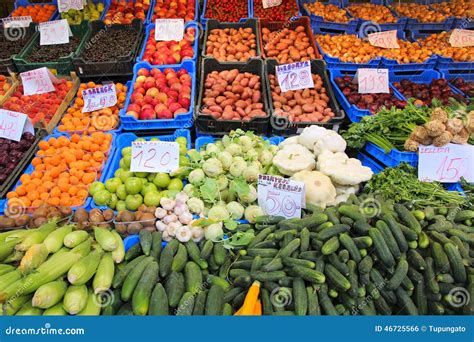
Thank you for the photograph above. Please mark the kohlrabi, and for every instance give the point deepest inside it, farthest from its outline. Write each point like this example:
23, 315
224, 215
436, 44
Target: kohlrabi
235, 209
196, 177
212, 167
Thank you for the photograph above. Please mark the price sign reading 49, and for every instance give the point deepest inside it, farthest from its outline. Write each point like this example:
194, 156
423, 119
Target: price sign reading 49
446, 164
294, 76
99, 98
154, 156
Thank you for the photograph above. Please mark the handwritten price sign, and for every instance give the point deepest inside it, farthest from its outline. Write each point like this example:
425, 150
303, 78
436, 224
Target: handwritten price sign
294, 76
461, 38
16, 22
54, 32
271, 3
154, 156
372, 81
66, 5
13, 124
280, 196
446, 164
99, 98
169, 29
386, 39
37, 81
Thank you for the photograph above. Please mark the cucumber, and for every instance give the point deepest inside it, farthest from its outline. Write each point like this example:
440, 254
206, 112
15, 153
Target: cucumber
268, 276
430, 276
186, 305
365, 265
314, 220
146, 241
347, 220
267, 244
464, 215
321, 227
463, 250
309, 274
416, 260
195, 255
133, 278
133, 252
125, 310
396, 232
267, 307
361, 227
180, 259
193, 277
215, 301
142, 293
406, 302
440, 258
409, 234
305, 237
456, 263
231, 294
351, 264
362, 241
207, 249
309, 255
156, 242
175, 288
388, 238
159, 301
350, 246
377, 278
381, 249
286, 281
332, 215
420, 298
290, 262
351, 211
300, 297
469, 238
243, 281
407, 283
436, 308
237, 272
263, 252
423, 240
440, 226
257, 263
415, 276
269, 219
274, 265
336, 277
400, 273
120, 276
408, 218
333, 231
215, 280
200, 303
220, 253
261, 236
342, 267
330, 246
439, 237
166, 257
289, 248
326, 303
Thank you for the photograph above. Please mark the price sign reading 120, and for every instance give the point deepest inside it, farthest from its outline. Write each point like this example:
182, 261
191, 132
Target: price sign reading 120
446, 164
154, 156
294, 76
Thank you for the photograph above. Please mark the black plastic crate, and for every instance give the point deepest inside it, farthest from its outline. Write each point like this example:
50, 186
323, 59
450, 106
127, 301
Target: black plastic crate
19, 35
13, 177
206, 124
121, 65
215, 24
280, 125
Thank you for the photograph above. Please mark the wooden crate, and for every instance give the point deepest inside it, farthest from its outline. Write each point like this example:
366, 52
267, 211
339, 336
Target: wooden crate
15, 83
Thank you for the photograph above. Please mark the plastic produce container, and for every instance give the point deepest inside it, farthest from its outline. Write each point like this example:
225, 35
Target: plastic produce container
181, 121
64, 64
206, 124
452, 74
20, 36
24, 3
125, 140
151, 27
104, 11
204, 19
368, 161
392, 158
280, 125
354, 113
149, 17
214, 24
122, 65
336, 63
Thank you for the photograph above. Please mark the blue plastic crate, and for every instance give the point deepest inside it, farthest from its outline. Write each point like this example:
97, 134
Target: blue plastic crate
336, 63
451, 74
464, 23
392, 158
151, 26
450, 64
453, 187
181, 121
366, 160
19, 3
203, 19
125, 140
102, 178
422, 30
391, 64
354, 113
149, 17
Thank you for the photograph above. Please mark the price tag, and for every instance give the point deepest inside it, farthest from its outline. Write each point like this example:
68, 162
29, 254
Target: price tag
169, 29
280, 196
54, 32
294, 76
38, 81
386, 39
14, 124
446, 164
461, 38
154, 156
66, 5
372, 81
271, 3
11, 22
99, 98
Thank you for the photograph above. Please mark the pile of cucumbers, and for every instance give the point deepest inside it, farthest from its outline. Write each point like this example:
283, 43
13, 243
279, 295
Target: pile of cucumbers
359, 259
172, 280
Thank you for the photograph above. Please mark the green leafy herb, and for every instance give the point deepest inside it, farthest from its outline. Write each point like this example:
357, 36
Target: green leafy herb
209, 190
239, 239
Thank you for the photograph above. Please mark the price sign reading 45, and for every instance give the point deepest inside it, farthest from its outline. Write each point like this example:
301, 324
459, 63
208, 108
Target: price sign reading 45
461, 38
294, 76
99, 98
154, 156
386, 39
280, 197
372, 81
446, 164
271, 3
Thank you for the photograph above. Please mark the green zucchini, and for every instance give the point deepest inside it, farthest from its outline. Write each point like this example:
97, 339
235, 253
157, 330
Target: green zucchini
159, 301
142, 293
